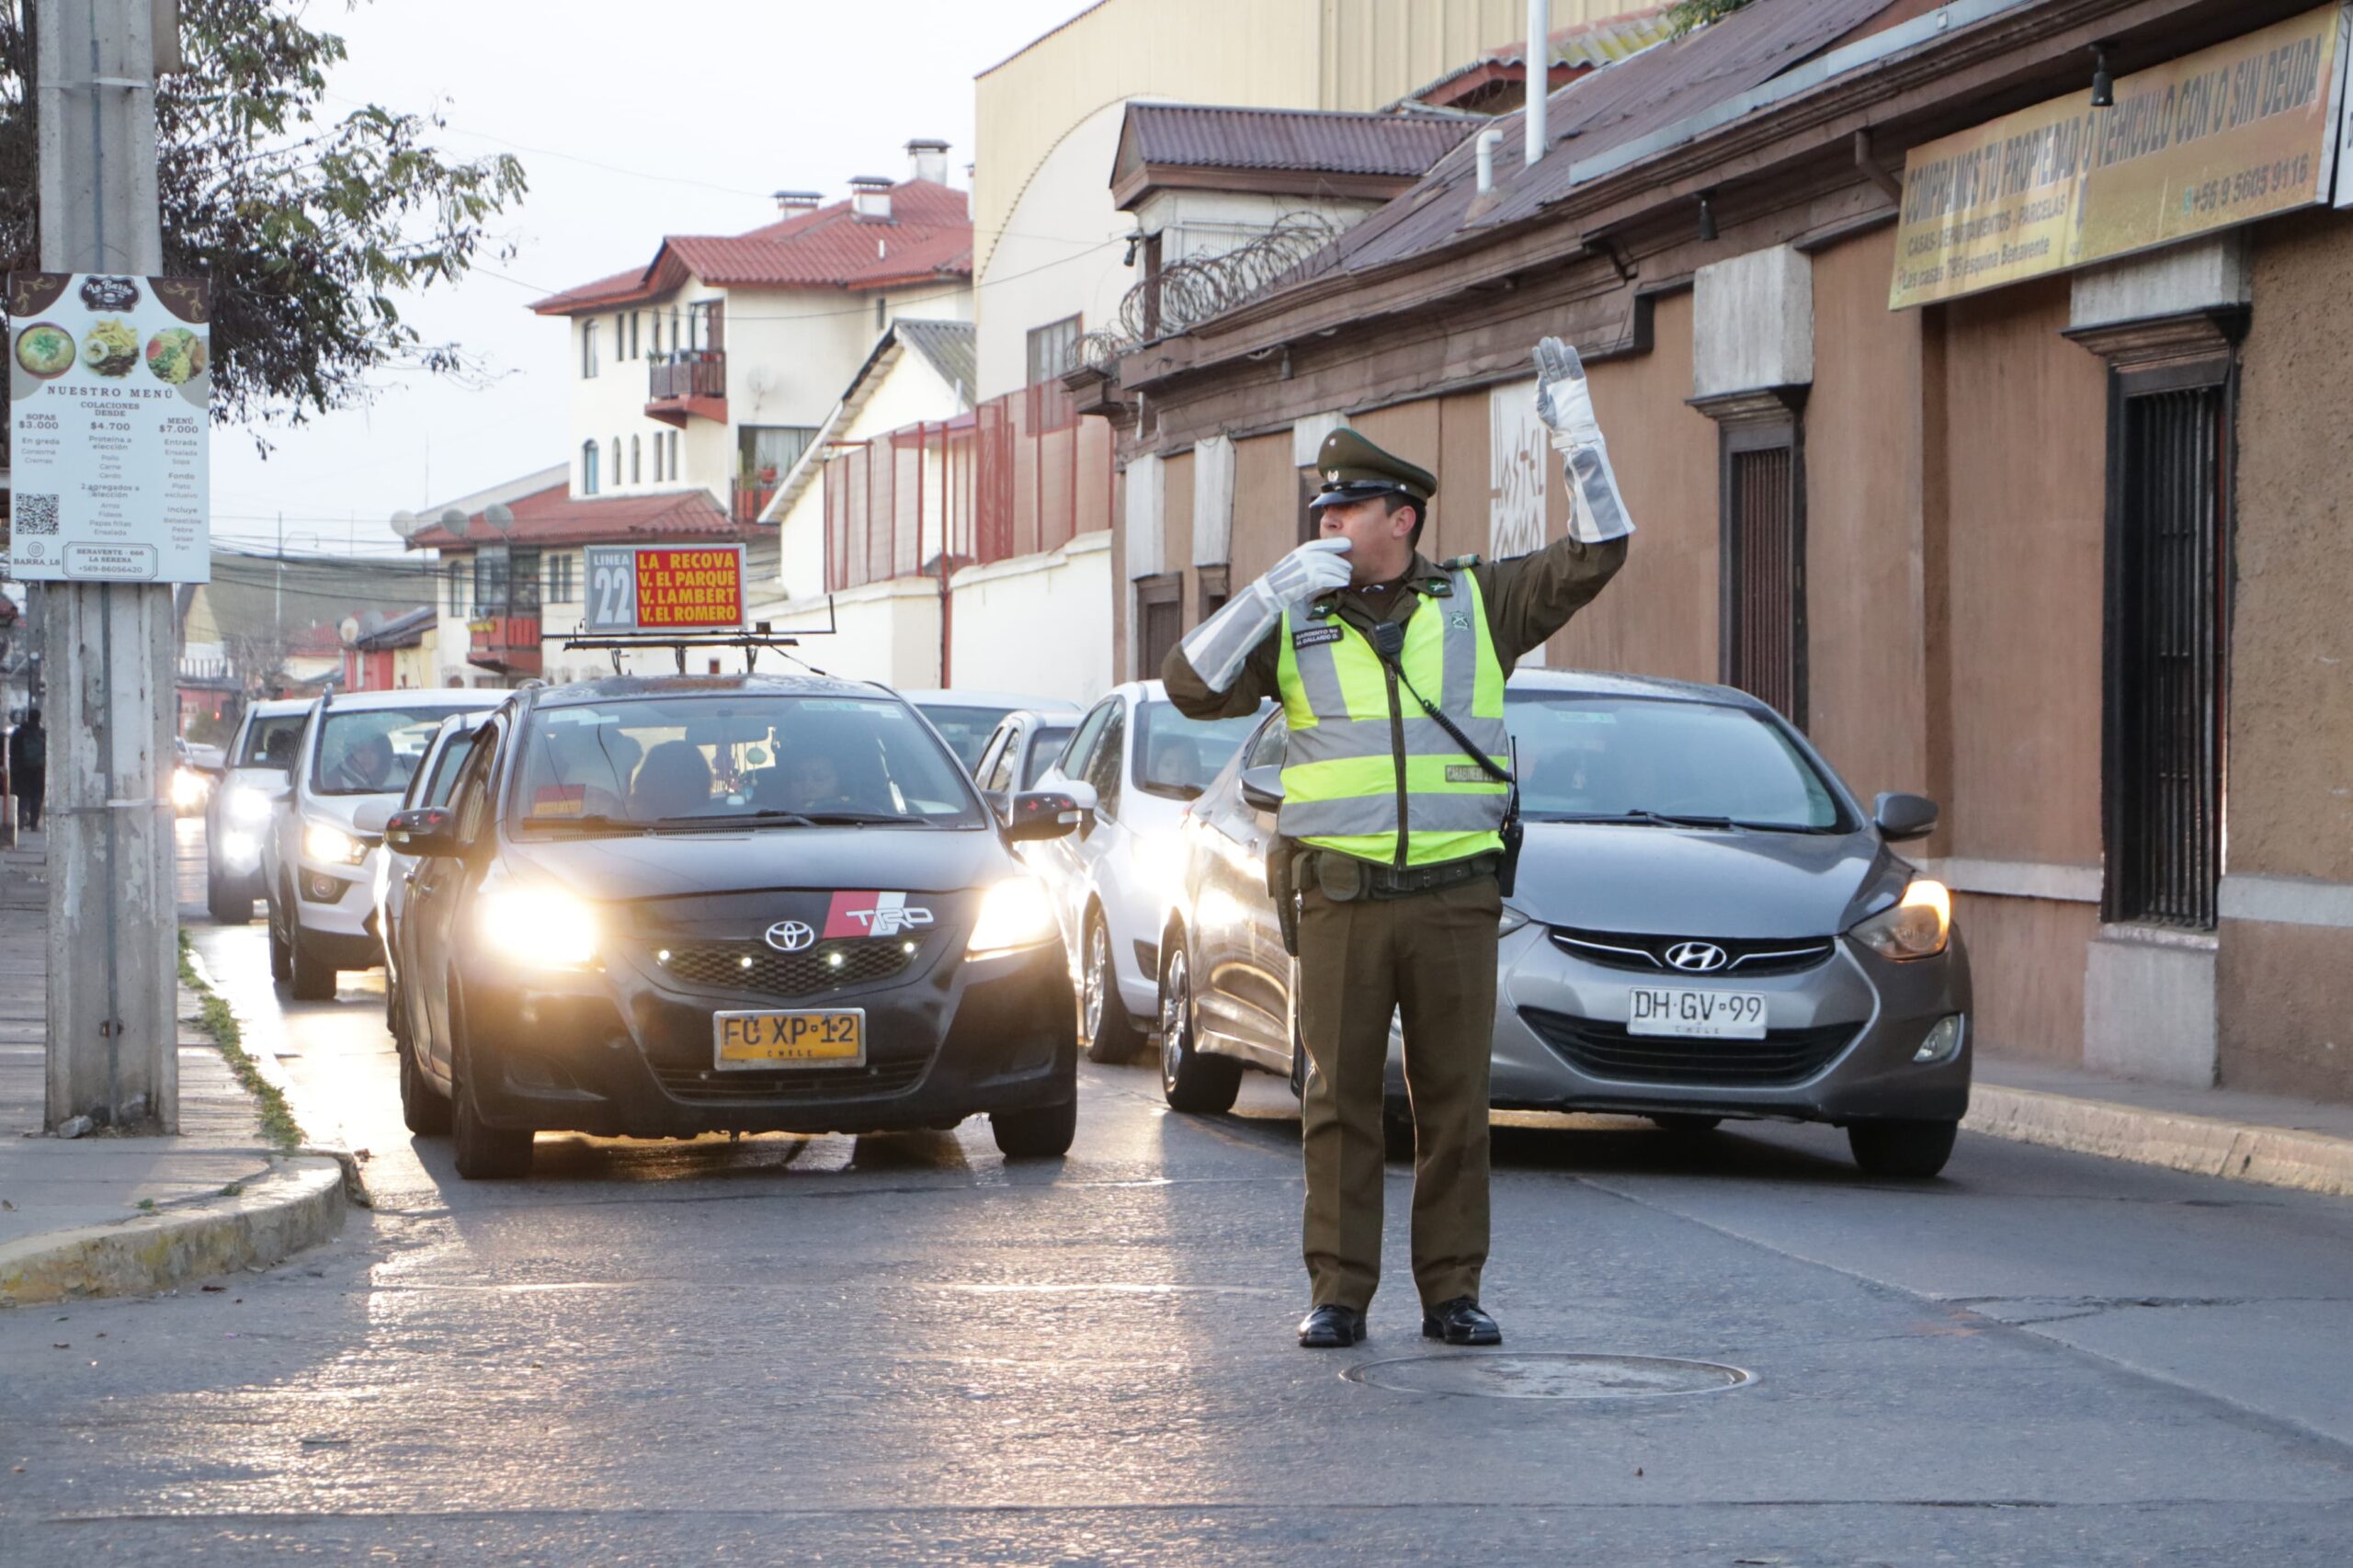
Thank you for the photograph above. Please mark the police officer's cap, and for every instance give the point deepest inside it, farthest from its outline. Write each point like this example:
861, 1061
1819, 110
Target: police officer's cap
1353, 469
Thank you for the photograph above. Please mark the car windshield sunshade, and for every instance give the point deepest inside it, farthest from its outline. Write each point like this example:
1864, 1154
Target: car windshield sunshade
690, 762
1667, 764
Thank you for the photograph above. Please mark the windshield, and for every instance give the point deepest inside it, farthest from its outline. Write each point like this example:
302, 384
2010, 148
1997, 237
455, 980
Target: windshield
966, 729
696, 761
1044, 747
1177, 756
270, 743
1615, 757
372, 751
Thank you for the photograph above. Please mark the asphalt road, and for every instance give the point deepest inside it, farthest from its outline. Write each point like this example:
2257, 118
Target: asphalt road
906, 1350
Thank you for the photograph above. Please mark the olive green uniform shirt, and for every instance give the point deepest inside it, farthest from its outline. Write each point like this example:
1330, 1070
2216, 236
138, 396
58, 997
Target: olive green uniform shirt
1529, 597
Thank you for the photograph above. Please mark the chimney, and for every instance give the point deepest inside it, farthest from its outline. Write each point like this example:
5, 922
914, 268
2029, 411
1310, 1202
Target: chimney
791, 202
927, 160
870, 198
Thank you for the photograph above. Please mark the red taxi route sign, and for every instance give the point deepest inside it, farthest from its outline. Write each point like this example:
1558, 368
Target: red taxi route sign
641, 587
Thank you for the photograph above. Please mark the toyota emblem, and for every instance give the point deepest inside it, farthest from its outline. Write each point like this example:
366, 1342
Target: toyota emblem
790, 936
1696, 958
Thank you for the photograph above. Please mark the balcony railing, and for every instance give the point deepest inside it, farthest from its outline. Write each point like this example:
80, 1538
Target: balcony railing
685, 373
749, 499
507, 643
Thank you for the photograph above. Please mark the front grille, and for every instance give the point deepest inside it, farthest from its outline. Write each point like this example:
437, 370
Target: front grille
758, 969
1749, 955
702, 1085
1605, 1050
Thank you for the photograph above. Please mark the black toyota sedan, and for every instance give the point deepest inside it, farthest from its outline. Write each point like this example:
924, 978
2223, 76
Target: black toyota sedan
665, 907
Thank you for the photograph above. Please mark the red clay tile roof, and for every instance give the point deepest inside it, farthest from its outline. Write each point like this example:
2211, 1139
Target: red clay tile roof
929, 235
553, 517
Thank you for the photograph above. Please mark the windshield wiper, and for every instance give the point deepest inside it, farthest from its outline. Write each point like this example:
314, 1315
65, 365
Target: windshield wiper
1644, 818
860, 819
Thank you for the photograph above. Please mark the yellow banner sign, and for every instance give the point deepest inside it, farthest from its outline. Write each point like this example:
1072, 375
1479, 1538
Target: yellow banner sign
2230, 134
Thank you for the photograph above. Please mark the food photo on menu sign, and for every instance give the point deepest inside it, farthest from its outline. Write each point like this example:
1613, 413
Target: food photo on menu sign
109, 391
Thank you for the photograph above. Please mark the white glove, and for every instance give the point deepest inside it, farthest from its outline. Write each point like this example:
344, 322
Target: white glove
1220, 646
1565, 404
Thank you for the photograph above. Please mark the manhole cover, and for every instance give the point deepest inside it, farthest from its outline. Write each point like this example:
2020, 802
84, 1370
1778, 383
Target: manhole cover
1561, 1376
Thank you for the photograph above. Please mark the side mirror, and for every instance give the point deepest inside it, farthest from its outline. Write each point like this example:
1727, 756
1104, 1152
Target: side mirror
1044, 814
425, 831
1900, 816
1262, 788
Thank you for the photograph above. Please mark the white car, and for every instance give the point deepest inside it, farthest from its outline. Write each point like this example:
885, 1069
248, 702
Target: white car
1024, 746
237, 813
435, 777
966, 719
353, 761
1133, 765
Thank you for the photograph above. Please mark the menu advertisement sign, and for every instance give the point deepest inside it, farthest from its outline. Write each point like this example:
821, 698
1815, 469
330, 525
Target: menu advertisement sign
110, 398
2215, 138
640, 588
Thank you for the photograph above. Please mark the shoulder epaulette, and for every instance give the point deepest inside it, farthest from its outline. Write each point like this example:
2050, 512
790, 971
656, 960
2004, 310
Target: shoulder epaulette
1459, 562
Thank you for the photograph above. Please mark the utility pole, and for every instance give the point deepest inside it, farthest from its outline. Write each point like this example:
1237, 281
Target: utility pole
113, 920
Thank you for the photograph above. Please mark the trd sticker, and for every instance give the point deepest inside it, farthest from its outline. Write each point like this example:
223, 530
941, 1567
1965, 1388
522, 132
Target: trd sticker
873, 914
1319, 634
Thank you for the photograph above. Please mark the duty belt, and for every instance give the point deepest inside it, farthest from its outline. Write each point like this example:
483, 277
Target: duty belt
1342, 878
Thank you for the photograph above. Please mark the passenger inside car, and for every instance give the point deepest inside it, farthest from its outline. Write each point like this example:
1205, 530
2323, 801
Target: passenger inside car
366, 765
673, 781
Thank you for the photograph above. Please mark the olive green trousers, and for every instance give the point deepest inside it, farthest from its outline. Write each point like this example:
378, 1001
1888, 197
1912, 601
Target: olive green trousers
1430, 957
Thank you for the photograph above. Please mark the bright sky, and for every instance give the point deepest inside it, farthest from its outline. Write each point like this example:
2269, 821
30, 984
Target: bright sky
632, 122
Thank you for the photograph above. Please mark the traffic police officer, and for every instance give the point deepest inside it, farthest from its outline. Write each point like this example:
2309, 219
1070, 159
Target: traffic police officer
1396, 824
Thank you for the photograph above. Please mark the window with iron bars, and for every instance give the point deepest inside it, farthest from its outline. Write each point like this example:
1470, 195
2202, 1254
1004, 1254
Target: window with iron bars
2168, 589
1053, 348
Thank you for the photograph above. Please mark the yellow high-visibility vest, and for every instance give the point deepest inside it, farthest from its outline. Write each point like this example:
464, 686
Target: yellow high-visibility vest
1345, 777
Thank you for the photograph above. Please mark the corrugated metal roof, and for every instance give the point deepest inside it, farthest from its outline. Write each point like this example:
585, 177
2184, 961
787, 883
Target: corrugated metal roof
1605, 109
554, 516
1200, 136
929, 234
948, 345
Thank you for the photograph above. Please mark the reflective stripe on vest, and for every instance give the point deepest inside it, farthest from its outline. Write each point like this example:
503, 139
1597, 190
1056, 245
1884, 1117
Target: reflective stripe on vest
1342, 772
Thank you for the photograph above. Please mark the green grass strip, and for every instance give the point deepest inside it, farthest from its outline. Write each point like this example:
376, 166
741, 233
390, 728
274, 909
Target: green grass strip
278, 1123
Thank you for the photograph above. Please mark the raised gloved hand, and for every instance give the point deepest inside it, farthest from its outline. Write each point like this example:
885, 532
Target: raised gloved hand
1220, 646
1565, 404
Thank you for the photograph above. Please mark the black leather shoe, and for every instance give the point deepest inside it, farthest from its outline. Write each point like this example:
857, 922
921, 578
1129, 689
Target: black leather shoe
1459, 1321
1331, 1328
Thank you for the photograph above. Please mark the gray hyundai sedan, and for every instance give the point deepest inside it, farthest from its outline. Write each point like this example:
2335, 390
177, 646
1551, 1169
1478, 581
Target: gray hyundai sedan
1706, 926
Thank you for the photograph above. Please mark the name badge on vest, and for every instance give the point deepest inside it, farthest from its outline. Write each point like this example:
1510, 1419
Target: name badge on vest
1309, 639
1465, 773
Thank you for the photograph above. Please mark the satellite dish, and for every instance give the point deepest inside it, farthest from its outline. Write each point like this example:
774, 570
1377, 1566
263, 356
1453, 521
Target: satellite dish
500, 515
372, 622
455, 521
406, 523
348, 630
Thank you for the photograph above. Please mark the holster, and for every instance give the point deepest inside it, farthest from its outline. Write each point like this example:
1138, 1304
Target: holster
1281, 854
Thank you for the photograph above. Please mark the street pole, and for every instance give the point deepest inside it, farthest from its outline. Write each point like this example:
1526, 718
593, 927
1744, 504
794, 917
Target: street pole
113, 920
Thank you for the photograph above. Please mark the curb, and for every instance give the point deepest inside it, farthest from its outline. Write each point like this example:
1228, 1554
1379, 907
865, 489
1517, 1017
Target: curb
2203, 1145
299, 1204
355, 1183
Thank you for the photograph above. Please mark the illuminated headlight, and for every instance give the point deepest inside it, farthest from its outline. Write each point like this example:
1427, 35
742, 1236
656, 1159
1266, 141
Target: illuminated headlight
1942, 1042
539, 927
324, 841
1917, 928
1160, 860
1512, 921
247, 804
188, 788
238, 848
1014, 913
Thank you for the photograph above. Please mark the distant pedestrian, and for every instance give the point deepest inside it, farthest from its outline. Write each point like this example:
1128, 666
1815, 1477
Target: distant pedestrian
28, 769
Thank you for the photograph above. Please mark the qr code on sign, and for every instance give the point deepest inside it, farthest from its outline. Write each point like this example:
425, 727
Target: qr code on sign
35, 514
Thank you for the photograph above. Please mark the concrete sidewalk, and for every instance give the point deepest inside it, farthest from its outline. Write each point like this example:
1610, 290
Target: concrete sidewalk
122, 1216
2268, 1139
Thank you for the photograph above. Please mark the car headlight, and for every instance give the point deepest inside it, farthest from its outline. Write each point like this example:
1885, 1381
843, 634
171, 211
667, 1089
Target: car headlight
1160, 860
188, 788
544, 927
324, 841
1917, 927
1014, 913
1512, 920
246, 803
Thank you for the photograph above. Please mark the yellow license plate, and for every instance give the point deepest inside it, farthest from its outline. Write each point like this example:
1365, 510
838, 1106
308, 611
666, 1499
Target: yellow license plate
789, 1040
